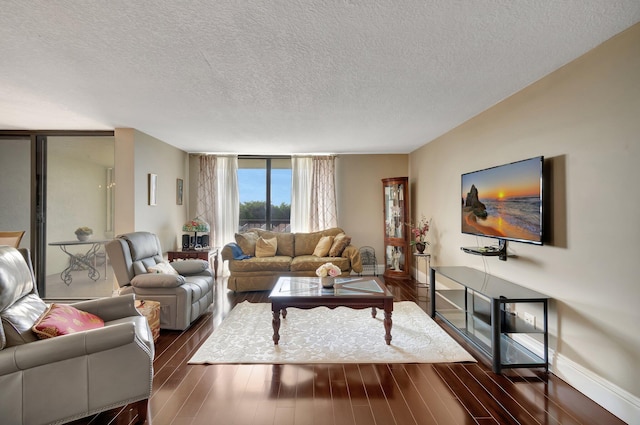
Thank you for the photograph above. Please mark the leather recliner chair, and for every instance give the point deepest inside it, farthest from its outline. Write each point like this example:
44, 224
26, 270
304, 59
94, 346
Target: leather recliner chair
183, 297
60, 379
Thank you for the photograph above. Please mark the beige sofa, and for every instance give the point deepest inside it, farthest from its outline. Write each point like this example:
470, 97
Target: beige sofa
294, 256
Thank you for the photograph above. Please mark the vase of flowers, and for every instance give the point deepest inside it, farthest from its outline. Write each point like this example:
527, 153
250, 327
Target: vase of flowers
419, 233
327, 274
83, 233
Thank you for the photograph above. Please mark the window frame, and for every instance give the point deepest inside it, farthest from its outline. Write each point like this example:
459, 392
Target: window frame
268, 222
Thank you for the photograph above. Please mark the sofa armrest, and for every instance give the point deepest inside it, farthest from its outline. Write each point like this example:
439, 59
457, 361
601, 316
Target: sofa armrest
226, 253
110, 308
47, 351
157, 280
353, 254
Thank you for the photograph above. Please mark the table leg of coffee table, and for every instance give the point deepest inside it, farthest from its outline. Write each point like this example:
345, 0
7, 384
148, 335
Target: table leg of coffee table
387, 326
276, 326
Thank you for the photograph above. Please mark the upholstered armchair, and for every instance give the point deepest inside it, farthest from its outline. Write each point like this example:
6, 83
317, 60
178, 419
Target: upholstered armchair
184, 289
78, 374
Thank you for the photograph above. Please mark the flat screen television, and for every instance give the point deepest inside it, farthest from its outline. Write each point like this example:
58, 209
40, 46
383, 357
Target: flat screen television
505, 202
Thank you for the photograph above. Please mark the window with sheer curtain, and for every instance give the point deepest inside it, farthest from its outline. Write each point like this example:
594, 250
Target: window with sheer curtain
311, 190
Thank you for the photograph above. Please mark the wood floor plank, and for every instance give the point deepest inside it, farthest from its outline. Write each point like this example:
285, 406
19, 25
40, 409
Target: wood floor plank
399, 407
377, 379
441, 393
419, 409
450, 374
504, 392
341, 402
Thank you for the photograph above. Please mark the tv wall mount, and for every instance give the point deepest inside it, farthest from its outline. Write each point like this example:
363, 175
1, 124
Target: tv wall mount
489, 251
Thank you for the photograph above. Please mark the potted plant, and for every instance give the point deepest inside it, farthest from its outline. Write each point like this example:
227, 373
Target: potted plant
419, 233
327, 274
83, 233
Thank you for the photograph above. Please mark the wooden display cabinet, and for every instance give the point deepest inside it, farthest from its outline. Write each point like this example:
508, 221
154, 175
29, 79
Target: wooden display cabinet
397, 248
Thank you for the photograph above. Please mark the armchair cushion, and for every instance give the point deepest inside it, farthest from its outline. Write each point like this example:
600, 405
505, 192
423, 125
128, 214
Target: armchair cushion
61, 319
157, 280
142, 245
192, 266
18, 319
163, 268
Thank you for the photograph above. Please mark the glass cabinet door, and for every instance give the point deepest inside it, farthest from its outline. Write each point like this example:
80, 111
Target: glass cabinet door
396, 235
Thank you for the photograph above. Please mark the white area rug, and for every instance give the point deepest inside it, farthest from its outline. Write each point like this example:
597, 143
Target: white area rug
322, 335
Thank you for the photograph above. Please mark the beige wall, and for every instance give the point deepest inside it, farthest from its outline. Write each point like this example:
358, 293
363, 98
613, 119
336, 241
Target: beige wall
585, 120
138, 155
359, 193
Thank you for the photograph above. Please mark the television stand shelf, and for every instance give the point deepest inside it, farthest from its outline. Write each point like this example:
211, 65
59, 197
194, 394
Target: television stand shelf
475, 305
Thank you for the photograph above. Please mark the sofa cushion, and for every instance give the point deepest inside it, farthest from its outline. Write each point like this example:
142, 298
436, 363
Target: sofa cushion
285, 241
247, 242
285, 244
305, 243
266, 247
309, 263
62, 319
323, 246
340, 242
266, 264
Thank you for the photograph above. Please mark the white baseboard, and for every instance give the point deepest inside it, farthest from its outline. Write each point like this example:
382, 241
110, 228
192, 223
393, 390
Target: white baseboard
616, 400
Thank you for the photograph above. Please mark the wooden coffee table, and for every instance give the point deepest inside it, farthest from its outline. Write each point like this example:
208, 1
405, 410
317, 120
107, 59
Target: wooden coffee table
353, 292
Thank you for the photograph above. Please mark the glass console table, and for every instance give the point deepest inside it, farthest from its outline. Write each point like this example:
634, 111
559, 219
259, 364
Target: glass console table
483, 310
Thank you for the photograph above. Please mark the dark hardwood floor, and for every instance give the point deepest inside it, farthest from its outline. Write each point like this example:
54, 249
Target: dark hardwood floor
340, 394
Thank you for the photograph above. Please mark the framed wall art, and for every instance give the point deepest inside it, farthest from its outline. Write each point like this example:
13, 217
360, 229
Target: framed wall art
179, 191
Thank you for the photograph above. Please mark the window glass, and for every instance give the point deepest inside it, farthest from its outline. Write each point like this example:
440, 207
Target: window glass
262, 182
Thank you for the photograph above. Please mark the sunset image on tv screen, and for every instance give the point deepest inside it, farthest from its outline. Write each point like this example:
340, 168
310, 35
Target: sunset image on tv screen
504, 201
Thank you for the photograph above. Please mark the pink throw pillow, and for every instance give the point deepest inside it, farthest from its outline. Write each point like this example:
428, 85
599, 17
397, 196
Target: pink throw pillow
63, 319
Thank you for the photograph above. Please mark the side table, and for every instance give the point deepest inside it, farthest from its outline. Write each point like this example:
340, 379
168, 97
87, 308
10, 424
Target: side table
199, 254
427, 261
151, 310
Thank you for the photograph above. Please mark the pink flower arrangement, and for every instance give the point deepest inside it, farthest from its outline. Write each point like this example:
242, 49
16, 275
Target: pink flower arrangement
420, 231
328, 269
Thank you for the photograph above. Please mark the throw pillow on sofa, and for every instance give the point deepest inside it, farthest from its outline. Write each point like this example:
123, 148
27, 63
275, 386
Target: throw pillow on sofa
266, 247
247, 242
323, 246
340, 242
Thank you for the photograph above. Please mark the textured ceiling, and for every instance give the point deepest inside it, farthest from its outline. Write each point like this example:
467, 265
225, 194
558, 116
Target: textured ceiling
255, 76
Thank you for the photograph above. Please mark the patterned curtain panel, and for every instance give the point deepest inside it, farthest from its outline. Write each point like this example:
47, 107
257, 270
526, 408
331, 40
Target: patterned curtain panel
218, 198
207, 193
324, 211
301, 172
